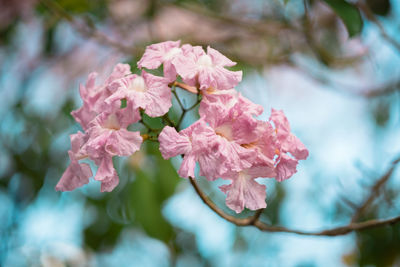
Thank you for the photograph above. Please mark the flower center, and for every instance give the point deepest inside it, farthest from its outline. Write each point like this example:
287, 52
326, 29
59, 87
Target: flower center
138, 85
112, 123
171, 53
205, 61
225, 130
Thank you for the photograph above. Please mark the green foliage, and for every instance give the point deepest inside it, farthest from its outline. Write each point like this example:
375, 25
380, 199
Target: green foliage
379, 246
148, 192
96, 8
379, 7
349, 14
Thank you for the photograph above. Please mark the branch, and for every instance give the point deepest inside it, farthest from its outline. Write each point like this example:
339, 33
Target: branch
374, 191
87, 29
254, 220
184, 86
370, 16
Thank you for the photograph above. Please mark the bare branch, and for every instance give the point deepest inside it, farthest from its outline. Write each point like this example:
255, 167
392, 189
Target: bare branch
254, 220
88, 30
374, 191
370, 16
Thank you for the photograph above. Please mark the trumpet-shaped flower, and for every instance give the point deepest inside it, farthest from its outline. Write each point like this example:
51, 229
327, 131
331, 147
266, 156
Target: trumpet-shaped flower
206, 70
77, 174
146, 91
286, 142
93, 95
199, 143
244, 191
163, 53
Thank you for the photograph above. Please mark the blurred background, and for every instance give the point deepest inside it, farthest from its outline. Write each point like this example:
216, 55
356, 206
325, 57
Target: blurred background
331, 65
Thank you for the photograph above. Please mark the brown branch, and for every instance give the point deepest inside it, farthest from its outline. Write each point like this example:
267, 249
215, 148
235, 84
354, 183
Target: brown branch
88, 29
254, 220
370, 16
374, 191
184, 86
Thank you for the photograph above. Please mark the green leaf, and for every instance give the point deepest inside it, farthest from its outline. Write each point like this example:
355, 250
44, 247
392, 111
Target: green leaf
349, 14
148, 192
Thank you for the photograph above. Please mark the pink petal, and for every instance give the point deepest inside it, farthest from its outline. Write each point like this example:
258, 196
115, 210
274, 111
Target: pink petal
186, 67
293, 145
187, 167
218, 78
245, 192
108, 184
119, 71
219, 59
158, 95
123, 143
285, 168
154, 55
76, 175
107, 174
281, 124
172, 143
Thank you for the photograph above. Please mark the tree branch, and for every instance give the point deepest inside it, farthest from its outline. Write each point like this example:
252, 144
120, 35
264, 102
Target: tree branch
374, 191
370, 16
88, 30
254, 220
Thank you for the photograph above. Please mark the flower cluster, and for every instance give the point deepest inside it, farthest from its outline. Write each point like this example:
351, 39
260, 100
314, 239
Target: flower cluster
227, 141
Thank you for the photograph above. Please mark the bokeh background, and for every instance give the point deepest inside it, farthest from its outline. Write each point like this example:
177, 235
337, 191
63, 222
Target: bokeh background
332, 66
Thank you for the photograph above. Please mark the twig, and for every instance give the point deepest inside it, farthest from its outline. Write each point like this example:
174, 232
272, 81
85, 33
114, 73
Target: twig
168, 120
254, 220
370, 15
374, 191
87, 30
178, 100
184, 86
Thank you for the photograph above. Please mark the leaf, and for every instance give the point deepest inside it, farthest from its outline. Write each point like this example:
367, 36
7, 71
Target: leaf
349, 14
148, 192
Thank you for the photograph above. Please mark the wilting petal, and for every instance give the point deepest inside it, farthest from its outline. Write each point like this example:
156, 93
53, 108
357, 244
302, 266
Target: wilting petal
156, 54
76, 175
173, 143
187, 167
158, 96
281, 124
244, 192
294, 146
218, 58
285, 168
218, 78
123, 142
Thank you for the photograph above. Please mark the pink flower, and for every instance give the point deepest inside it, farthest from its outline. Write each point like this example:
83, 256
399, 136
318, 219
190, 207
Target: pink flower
232, 120
77, 174
244, 191
147, 91
109, 137
222, 101
108, 133
161, 53
199, 143
106, 173
286, 142
105, 137
93, 95
265, 144
206, 70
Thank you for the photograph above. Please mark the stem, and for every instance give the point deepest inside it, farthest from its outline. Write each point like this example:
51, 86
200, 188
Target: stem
374, 191
184, 86
254, 220
168, 120
178, 99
